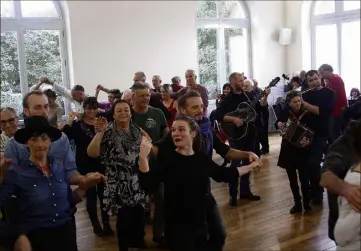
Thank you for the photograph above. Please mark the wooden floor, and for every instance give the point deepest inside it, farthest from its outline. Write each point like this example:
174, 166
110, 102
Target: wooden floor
262, 225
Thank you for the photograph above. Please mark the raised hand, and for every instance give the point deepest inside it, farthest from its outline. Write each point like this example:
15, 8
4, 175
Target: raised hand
145, 148
45, 80
4, 165
71, 117
100, 124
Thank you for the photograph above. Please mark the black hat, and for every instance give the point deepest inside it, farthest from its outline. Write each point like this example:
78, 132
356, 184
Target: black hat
36, 125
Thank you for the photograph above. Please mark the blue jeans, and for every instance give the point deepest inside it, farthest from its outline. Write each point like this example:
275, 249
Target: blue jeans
246, 144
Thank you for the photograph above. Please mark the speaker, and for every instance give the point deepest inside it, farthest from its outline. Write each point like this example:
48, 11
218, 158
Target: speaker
285, 36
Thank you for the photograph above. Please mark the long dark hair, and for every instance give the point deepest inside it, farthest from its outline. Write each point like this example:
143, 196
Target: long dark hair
354, 129
193, 125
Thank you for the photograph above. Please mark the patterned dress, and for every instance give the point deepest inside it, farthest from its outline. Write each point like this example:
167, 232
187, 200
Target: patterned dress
119, 150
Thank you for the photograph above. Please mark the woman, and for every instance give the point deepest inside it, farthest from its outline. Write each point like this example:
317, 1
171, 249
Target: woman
296, 83
347, 229
295, 159
42, 190
185, 172
225, 90
82, 132
168, 102
9, 121
354, 96
118, 145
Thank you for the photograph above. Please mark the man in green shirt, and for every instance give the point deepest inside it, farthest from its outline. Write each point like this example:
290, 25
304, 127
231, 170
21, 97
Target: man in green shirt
153, 122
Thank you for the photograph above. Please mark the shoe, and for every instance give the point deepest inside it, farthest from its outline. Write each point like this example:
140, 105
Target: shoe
232, 202
307, 207
98, 231
250, 197
107, 230
297, 208
161, 241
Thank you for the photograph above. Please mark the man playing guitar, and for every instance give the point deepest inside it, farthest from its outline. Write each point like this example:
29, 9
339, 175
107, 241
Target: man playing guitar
247, 143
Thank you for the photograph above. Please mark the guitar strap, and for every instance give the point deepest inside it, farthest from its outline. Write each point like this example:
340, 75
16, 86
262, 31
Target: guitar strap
249, 100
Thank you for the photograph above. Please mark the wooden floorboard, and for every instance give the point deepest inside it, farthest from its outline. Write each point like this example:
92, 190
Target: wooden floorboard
264, 225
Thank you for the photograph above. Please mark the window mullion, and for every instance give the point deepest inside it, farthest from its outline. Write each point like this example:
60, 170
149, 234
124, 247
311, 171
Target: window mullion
17, 9
222, 57
338, 6
339, 47
22, 61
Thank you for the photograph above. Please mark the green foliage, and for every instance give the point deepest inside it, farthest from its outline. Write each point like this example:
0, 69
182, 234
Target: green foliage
42, 52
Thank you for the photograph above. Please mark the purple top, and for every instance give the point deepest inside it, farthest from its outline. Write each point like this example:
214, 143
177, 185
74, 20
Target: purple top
105, 106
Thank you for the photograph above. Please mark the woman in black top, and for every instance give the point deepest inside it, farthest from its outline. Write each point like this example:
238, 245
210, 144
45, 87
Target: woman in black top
82, 132
185, 173
292, 158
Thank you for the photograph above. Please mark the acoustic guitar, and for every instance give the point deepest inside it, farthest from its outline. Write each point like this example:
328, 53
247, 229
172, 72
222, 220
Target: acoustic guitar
245, 111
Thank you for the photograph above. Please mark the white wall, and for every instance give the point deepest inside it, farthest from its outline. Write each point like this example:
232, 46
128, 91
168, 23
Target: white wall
110, 40
268, 56
298, 19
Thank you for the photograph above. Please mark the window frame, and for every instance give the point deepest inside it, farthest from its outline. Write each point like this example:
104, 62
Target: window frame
338, 17
237, 23
21, 24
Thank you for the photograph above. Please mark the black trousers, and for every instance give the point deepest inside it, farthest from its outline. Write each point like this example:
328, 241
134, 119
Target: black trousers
316, 152
263, 132
304, 179
184, 239
246, 144
216, 233
130, 227
92, 195
55, 239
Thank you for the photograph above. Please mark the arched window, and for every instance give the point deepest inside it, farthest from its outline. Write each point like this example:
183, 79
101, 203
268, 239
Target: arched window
32, 46
335, 27
223, 40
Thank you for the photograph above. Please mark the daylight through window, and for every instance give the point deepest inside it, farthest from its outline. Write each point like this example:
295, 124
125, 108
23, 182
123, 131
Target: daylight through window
335, 29
32, 46
223, 40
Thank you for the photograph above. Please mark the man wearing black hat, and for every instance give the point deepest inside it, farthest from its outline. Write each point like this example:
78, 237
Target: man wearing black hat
40, 184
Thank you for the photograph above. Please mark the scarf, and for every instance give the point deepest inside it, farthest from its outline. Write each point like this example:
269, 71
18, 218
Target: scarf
206, 136
127, 139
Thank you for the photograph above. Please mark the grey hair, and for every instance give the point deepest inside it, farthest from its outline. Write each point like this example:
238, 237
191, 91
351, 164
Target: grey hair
10, 109
193, 72
250, 81
139, 86
141, 74
176, 79
326, 67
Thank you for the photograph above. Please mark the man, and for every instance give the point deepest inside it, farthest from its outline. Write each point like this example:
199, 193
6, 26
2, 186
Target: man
76, 96
153, 122
339, 159
176, 84
112, 95
157, 83
335, 83
9, 121
319, 103
191, 79
191, 105
304, 84
139, 76
155, 97
248, 143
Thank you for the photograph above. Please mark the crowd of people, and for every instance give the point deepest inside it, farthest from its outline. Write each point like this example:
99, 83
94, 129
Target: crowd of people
154, 144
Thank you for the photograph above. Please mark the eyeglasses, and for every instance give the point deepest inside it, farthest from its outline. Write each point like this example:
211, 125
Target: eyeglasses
10, 121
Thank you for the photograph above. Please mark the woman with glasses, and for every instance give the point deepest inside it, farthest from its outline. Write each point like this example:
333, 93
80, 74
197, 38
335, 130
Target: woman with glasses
9, 124
82, 132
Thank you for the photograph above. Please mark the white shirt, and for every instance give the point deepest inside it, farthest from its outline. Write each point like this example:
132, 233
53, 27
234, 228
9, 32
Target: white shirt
3, 141
75, 105
347, 230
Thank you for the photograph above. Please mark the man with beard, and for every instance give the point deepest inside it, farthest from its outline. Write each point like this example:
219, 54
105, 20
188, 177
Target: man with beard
191, 105
247, 143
